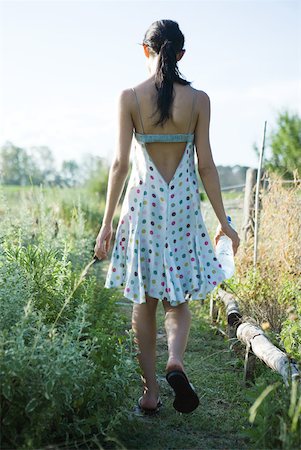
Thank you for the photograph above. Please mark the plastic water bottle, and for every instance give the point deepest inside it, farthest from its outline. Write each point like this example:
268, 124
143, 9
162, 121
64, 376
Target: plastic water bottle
224, 253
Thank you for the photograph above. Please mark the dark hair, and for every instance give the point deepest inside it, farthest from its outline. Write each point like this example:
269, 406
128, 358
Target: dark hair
165, 38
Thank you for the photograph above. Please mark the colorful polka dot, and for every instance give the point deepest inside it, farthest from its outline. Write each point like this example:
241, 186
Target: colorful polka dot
162, 245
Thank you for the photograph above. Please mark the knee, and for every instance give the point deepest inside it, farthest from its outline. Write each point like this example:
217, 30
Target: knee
144, 311
151, 303
185, 311
182, 309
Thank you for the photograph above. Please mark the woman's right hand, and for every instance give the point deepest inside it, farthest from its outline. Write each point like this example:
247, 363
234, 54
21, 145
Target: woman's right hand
103, 240
231, 233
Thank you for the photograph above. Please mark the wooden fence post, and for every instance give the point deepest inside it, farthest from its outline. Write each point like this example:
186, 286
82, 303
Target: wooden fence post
249, 366
247, 229
213, 309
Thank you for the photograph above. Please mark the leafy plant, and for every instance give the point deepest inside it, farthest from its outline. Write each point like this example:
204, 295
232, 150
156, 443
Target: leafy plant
66, 356
275, 415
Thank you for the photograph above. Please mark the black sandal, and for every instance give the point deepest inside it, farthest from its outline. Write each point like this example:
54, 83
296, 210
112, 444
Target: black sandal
186, 399
149, 411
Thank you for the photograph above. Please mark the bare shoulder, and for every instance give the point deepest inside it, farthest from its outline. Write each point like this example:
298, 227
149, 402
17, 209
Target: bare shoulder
126, 94
125, 99
202, 100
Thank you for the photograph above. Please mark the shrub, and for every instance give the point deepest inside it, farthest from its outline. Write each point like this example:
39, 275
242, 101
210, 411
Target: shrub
66, 357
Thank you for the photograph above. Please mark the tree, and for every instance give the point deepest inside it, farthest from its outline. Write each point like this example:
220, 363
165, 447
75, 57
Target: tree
70, 173
20, 167
95, 173
285, 144
231, 175
14, 164
42, 165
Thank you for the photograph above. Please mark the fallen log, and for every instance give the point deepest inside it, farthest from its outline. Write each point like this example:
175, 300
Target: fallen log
254, 338
257, 343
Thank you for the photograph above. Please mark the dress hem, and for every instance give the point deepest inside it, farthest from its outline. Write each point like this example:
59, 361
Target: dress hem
189, 296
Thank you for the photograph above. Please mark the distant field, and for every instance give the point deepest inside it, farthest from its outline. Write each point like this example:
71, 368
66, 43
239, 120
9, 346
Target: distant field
92, 205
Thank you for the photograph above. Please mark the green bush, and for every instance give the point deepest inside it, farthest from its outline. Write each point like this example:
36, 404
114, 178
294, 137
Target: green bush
59, 384
291, 335
66, 357
265, 299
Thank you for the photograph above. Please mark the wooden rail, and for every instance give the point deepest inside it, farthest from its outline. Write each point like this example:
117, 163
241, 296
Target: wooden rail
253, 337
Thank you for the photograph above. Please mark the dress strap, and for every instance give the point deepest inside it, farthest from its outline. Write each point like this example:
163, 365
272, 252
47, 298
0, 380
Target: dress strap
192, 109
165, 137
139, 110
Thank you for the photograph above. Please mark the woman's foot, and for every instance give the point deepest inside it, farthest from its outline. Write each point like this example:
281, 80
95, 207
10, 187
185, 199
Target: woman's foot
149, 411
149, 400
186, 399
174, 364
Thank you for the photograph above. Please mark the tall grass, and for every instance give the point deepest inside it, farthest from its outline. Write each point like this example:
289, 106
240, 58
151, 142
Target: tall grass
273, 291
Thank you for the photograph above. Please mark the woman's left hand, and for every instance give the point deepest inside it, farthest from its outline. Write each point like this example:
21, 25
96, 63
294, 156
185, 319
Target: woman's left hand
103, 241
231, 233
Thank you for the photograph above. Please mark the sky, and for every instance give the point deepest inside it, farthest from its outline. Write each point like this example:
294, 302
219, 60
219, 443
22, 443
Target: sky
64, 63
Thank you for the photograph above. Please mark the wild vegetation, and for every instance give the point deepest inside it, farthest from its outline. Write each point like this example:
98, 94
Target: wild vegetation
69, 375
68, 366
66, 357
272, 293
271, 297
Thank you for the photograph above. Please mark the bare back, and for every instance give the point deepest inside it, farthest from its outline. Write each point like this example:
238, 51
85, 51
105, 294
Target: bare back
166, 155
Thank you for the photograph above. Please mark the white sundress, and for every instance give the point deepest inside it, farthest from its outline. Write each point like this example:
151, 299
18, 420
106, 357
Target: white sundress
162, 246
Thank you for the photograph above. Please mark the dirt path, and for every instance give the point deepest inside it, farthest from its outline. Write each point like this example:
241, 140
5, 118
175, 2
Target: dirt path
217, 375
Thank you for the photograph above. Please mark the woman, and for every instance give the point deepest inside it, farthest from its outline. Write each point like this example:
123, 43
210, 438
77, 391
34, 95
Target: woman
162, 250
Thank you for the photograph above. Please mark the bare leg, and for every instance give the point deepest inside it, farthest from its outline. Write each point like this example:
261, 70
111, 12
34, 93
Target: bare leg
177, 326
145, 329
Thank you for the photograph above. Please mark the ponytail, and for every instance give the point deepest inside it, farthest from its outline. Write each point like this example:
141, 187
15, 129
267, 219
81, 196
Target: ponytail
165, 38
164, 78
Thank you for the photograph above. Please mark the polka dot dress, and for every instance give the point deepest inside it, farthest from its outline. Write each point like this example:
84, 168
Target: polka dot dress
162, 246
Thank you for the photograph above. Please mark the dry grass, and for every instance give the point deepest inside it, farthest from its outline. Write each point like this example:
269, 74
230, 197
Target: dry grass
280, 225
274, 290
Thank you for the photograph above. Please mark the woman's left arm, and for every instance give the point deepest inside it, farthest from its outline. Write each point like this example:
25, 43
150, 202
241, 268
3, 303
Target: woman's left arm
118, 172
